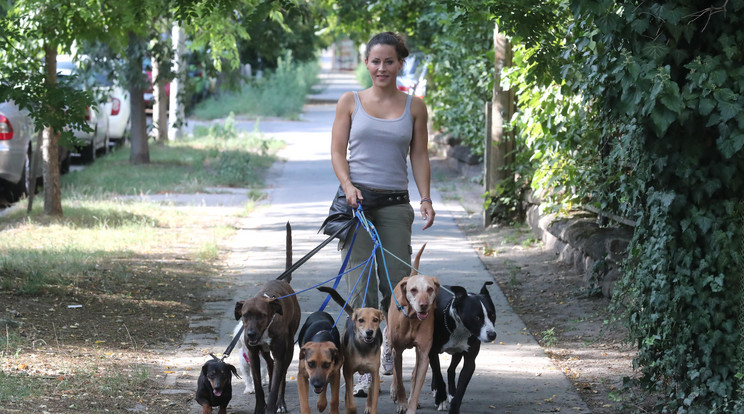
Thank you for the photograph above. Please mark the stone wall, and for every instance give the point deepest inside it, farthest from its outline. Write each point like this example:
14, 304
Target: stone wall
594, 251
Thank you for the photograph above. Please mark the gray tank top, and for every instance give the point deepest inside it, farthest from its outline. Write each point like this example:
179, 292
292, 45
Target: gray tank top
378, 148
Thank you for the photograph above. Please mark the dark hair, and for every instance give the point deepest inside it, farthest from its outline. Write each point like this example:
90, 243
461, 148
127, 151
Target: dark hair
390, 39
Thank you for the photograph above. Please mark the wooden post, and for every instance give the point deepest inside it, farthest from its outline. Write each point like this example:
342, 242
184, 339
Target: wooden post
488, 159
499, 144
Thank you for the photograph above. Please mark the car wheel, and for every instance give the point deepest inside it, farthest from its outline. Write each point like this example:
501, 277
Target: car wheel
14, 192
106, 143
65, 161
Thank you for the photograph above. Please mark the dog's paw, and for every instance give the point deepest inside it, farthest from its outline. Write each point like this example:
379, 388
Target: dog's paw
282, 409
444, 406
450, 397
402, 408
367, 410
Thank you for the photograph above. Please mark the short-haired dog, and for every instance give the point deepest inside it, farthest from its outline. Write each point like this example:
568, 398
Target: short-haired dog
361, 344
411, 326
214, 386
244, 363
320, 361
270, 320
461, 322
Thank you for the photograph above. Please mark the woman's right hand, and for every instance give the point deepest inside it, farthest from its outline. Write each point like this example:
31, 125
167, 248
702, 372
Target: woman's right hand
353, 195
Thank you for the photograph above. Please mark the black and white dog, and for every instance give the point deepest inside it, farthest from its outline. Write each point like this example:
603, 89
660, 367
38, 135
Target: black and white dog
461, 322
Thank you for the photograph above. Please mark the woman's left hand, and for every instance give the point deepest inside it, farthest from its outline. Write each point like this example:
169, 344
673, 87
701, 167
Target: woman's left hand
427, 213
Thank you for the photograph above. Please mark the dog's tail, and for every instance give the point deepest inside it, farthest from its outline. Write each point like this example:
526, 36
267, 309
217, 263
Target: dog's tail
337, 298
287, 276
414, 270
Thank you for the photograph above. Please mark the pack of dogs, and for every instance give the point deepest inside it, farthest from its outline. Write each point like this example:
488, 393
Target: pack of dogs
424, 316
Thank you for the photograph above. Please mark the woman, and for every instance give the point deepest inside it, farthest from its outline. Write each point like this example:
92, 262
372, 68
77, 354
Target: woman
381, 126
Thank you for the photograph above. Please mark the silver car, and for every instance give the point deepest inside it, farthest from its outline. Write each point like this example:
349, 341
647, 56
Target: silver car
97, 118
16, 132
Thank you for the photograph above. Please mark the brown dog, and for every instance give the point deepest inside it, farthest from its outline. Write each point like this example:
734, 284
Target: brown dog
269, 326
361, 345
412, 326
320, 361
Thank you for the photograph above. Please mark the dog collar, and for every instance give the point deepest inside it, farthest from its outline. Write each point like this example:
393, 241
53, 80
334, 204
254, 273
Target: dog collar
402, 310
446, 315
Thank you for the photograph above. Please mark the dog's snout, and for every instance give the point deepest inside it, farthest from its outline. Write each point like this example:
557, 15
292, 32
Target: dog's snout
491, 335
251, 334
370, 332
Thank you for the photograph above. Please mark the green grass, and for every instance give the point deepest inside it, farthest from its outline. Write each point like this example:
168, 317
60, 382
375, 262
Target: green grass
216, 156
281, 93
103, 227
17, 387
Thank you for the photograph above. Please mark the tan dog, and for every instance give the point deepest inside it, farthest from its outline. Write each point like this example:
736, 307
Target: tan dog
320, 361
361, 346
412, 326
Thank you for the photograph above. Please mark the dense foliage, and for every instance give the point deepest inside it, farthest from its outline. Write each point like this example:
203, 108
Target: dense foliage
666, 80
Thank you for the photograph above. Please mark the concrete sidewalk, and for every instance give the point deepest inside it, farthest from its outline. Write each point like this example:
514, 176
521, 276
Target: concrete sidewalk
513, 374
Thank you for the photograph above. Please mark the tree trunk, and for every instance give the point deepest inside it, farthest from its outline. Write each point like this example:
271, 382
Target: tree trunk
140, 152
50, 148
177, 116
160, 106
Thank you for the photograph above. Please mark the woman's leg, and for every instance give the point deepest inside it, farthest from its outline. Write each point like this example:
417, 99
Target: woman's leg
360, 253
394, 227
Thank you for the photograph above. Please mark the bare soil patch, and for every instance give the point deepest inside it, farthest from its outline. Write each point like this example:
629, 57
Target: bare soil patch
95, 342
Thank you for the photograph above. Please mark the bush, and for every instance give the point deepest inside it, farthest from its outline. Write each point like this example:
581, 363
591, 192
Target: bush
281, 93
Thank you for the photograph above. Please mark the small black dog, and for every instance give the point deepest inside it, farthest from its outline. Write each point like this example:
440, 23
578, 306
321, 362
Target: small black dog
214, 387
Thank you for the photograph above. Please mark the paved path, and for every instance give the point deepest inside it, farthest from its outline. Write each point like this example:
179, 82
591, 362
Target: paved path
513, 374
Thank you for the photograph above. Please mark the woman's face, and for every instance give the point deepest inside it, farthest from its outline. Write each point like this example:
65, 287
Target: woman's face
383, 64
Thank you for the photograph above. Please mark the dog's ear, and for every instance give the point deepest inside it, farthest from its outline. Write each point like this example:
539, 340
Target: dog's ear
205, 368
460, 294
275, 306
484, 291
239, 310
334, 356
402, 300
232, 369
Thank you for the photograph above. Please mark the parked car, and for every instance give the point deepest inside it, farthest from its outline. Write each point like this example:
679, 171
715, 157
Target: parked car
16, 132
17, 145
412, 76
97, 118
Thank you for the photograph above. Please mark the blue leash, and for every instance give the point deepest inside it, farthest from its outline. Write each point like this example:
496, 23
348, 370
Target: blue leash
341, 270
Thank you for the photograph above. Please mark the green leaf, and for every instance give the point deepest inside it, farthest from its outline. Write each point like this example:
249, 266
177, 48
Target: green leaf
718, 77
656, 50
661, 119
727, 103
706, 106
731, 144
671, 98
